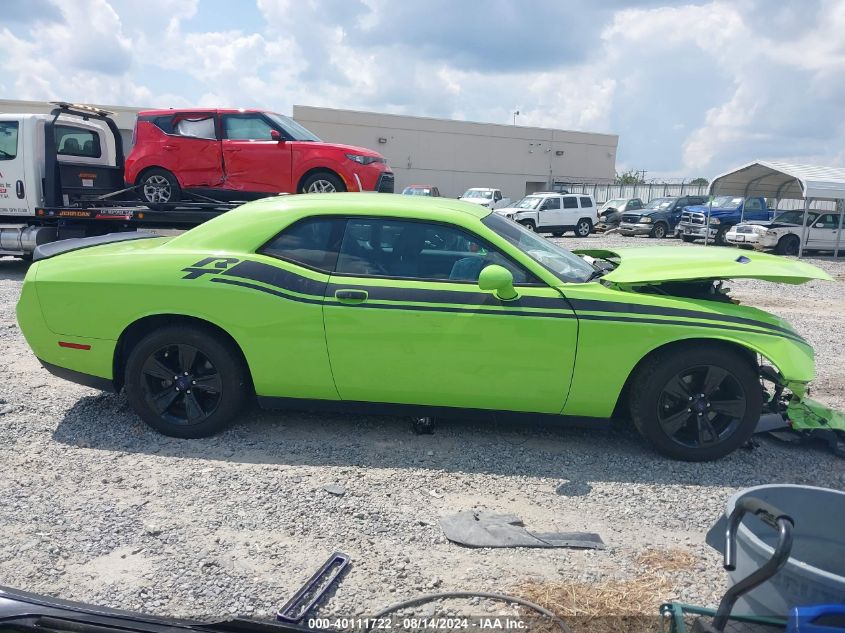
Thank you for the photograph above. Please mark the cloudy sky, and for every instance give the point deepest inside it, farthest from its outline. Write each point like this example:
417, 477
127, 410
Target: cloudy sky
691, 88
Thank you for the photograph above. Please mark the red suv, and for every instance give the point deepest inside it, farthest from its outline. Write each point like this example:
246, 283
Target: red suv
242, 154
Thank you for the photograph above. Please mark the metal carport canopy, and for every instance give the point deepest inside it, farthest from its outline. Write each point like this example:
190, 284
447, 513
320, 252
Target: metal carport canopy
774, 179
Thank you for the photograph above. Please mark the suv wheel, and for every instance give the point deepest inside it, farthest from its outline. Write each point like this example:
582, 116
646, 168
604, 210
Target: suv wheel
323, 182
159, 189
696, 404
659, 231
788, 245
583, 228
529, 224
184, 382
687, 238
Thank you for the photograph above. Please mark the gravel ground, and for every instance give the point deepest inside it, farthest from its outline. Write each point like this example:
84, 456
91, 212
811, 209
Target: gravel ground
98, 508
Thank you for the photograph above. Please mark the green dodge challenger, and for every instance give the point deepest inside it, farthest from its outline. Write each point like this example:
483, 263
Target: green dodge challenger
422, 307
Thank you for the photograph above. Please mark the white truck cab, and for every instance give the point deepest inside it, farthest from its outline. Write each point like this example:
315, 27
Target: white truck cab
555, 213
486, 197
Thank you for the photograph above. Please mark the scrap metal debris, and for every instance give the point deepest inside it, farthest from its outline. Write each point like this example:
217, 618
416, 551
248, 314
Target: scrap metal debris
485, 529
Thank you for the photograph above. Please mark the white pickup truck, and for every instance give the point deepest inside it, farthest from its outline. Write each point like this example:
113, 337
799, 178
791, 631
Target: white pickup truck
490, 198
555, 213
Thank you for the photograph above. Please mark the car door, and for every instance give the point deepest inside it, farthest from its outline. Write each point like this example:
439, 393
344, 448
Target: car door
192, 150
674, 214
571, 212
822, 234
13, 185
550, 213
255, 161
407, 323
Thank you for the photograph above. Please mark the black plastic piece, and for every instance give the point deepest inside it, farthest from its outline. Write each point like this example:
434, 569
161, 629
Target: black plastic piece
95, 382
423, 425
314, 589
51, 249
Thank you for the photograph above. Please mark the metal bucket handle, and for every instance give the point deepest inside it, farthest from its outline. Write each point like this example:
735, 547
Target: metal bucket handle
771, 516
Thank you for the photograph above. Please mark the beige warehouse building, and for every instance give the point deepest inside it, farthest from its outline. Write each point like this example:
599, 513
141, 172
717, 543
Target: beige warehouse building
457, 155
452, 155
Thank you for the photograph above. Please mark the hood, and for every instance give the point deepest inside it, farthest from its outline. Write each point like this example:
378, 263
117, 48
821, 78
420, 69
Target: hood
509, 210
675, 263
346, 149
476, 200
702, 208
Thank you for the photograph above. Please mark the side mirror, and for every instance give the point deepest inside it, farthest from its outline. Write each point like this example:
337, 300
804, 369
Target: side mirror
498, 280
276, 135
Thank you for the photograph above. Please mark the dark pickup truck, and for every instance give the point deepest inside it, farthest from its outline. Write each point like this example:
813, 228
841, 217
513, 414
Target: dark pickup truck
725, 212
659, 217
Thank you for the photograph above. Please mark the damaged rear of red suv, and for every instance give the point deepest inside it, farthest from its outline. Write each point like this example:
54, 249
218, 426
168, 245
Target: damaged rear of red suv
241, 155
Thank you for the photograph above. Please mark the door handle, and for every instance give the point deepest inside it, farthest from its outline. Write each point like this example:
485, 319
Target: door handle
168, 148
19, 190
347, 295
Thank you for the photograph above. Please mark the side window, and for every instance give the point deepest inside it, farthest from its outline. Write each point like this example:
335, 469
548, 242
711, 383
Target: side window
570, 203
586, 202
753, 205
8, 140
246, 127
551, 204
383, 247
196, 127
634, 205
314, 243
497, 196
165, 124
827, 221
76, 141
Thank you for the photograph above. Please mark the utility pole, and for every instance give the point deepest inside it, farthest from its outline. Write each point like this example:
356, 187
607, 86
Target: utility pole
515, 114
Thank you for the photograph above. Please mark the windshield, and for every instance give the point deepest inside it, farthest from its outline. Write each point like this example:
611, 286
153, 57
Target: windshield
529, 202
563, 264
293, 129
615, 203
795, 217
417, 191
659, 203
725, 202
478, 193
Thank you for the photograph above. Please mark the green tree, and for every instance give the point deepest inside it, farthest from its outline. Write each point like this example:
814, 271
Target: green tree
630, 177
699, 182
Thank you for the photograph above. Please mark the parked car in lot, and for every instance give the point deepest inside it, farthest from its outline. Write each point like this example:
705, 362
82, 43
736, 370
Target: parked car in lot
421, 190
610, 213
657, 218
417, 306
555, 213
490, 198
783, 233
240, 155
724, 212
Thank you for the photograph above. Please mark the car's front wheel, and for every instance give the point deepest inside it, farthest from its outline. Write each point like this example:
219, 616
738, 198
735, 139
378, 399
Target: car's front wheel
184, 382
687, 238
323, 182
583, 228
658, 231
696, 404
529, 224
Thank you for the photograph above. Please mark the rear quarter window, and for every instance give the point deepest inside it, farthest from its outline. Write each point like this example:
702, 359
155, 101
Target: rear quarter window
75, 141
586, 202
570, 203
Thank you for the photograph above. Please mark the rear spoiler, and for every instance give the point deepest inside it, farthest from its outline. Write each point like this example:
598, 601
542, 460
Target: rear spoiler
46, 251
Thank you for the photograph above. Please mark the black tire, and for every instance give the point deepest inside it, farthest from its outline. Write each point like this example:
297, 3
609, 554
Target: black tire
158, 189
583, 228
721, 236
322, 182
668, 409
208, 382
659, 231
788, 245
529, 224
688, 238
557, 234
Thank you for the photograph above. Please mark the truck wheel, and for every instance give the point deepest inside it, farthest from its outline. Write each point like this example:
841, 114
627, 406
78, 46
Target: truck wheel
696, 404
658, 231
159, 188
721, 239
788, 245
583, 228
323, 182
185, 383
529, 224
688, 238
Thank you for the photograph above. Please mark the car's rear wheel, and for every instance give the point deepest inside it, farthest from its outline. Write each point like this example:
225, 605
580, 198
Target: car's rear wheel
557, 233
788, 245
658, 231
184, 382
696, 404
159, 189
688, 238
529, 224
583, 228
322, 182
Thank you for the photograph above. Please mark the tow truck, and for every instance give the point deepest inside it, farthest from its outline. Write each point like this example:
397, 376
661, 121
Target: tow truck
61, 177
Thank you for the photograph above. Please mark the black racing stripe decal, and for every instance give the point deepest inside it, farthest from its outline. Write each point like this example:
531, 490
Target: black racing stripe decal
718, 326
424, 295
636, 308
277, 277
276, 293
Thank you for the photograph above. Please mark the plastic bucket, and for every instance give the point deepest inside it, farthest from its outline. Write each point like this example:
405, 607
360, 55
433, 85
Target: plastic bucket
815, 571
